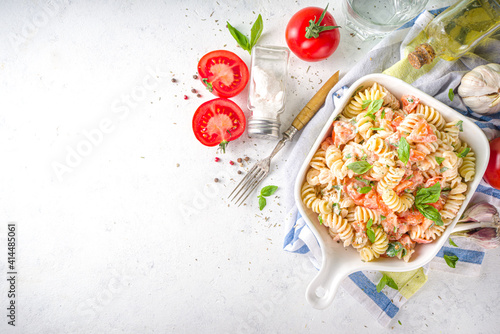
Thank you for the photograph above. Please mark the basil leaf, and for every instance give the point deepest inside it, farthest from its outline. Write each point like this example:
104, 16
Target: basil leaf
256, 31
404, 150
431, 213
460, 126
262, 202
464, 152
382, 283
442, 170
369, 223
451, 95
382, 217
428, 195
451, 242
241, 39
371, 235
377, 129
365, 190
439, 160
382, 115
320, 220
365, 103
451, 260
336, 187
375, 106
359, 167
386, 280
362, 180
394, 249
268, 190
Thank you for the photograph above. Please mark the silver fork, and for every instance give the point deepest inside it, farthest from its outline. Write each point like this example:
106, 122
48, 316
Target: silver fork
261, 169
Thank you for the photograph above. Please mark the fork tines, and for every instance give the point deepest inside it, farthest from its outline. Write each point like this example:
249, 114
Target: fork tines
247, 184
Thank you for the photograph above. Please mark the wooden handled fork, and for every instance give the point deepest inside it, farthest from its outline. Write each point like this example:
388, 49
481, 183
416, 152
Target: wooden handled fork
261, 169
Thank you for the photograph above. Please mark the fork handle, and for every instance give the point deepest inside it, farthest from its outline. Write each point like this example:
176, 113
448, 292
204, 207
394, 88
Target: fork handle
315, 103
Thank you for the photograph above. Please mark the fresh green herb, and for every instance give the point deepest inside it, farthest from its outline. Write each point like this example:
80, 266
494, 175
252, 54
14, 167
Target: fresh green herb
410, 100
399, 322
207, 84
451, 260
429, 195
404, 150
365, 181
445, 189
439, 160
365, 190
451, 242
359, 167
395, 229
382, 217
386, 280
320, 220
382, 115
357, 91
464, 152
394, 249
442, 170
315, 28
373, 107
365, 103
242, 40
460, 126
451, 95
370, 233
337, 187
266, 192
377, 129
348, 156
409, 177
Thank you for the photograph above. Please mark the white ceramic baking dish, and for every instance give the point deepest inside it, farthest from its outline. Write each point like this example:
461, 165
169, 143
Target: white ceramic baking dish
339, 262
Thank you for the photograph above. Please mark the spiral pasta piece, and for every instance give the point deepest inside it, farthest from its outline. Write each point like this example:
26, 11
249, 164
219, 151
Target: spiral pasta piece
381, 243
389, 99
340, 226
410, 121
391, 179
355, 107
362, 214
364, 125
468, 168
318, 160
431, 115
396, 203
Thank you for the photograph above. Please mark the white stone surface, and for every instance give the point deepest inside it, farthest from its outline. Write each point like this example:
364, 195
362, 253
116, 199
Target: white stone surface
137, 238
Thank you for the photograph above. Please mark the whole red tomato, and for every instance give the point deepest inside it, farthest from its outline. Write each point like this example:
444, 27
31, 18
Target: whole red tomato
492, 174
312, 34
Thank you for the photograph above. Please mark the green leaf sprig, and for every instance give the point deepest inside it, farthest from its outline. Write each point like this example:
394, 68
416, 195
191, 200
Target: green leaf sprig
439, 160
404, 150
243, 40
425, 196
359, 167
395, 248
451, 95
386, 280
266, 192
451, 260
464, 152
452, 243
373, 107
369, 230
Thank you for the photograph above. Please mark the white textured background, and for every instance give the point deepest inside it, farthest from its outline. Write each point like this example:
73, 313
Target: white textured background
136, 237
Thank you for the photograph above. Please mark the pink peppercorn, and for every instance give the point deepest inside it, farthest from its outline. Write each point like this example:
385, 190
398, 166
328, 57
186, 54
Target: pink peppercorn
231, 162
186, 97
217, 159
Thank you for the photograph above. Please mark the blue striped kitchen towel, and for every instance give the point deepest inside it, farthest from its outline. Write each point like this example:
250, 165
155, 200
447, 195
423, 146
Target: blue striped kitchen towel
436, 82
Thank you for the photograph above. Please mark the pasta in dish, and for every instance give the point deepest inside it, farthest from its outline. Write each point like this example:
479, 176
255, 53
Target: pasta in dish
392, 174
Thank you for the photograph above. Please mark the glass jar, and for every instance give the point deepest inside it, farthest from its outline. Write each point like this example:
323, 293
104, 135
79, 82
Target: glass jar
267, 92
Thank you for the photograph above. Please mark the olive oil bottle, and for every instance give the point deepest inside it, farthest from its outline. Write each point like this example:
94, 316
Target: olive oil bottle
457, 30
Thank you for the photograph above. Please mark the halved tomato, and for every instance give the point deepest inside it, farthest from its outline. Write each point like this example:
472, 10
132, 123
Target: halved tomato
217, 122
223, 73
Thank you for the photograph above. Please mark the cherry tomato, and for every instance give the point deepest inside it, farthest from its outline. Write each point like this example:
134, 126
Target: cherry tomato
223, 73
315, 40
492, 174
217, 122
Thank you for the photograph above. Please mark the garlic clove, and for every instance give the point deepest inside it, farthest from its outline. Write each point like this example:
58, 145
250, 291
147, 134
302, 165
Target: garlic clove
487, 237
481, 212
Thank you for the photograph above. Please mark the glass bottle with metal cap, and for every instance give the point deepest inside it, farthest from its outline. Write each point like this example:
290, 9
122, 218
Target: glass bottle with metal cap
267, 92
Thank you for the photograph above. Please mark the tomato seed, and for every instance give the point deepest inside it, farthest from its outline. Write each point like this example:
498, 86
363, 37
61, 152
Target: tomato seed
217, 159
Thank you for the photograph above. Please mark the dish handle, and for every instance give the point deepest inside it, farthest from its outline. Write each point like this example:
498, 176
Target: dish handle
323, 288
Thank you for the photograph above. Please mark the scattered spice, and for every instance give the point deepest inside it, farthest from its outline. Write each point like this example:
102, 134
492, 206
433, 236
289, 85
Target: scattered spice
239, 160
217, 159
239, 172
186, 97
216, 180
247, 158
231, 162
198, 95
193, 90
195, 77
174, 80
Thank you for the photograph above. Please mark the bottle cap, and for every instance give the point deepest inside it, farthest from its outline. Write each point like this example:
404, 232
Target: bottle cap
423, 54
263, 128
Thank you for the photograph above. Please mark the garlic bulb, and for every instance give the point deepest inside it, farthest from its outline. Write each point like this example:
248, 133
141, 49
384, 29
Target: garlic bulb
480, 89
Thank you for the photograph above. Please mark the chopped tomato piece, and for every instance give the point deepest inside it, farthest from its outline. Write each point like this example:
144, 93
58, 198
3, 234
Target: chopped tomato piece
410, 102
422, 132
343, 132
432, 181
416, 155
412, 217
396, 121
